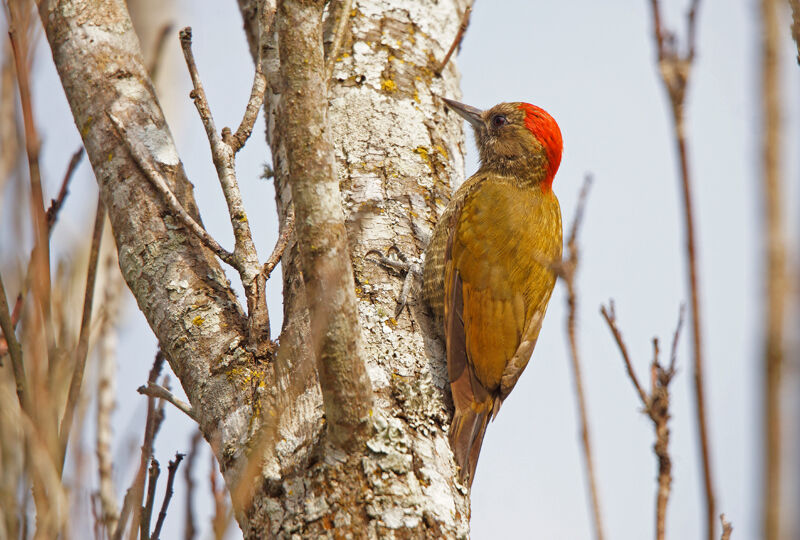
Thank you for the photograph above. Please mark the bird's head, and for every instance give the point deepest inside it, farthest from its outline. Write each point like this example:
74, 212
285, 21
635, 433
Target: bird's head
515, 139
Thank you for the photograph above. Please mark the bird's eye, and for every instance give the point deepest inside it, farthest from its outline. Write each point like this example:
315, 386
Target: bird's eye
499, 120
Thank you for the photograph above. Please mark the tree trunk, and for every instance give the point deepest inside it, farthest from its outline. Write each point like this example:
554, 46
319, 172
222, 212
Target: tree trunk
396, 152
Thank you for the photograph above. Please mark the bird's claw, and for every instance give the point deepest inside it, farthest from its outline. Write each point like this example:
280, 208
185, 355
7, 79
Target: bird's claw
400, 266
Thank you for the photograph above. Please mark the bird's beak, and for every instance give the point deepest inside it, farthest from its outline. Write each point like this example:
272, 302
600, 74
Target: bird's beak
470, 114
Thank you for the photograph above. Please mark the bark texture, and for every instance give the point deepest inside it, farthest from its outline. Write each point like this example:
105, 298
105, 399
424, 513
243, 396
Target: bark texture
394, 153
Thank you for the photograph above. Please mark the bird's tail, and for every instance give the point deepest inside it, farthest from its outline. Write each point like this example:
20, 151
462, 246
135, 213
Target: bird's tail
466, 437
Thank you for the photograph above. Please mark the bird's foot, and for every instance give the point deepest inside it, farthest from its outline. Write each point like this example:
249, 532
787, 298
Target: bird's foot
397, 263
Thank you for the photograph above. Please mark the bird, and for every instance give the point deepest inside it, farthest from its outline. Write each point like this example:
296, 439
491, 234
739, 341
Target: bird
488, 272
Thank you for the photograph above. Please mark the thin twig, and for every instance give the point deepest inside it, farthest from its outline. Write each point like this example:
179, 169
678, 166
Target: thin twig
82, 350
219, 522
457, 41
58, 202
775, 279
237, 140
133, 497
223, 154
14, 348
158, 391
610, 316
567, 270
727, 528
280, 245
172, 468
158, 50
796, 25
344, 9
655, 406
161, 185
189, 530
675, 68
147, 510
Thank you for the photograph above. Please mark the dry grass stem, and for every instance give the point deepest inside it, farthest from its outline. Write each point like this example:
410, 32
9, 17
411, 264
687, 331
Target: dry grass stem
727, 528
189, 530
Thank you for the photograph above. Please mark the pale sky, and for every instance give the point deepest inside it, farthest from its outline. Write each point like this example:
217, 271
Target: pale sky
591, 65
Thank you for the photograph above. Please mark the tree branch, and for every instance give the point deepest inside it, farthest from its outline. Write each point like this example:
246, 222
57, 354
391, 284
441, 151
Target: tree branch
675, 68
82, 349
462, 28
655, 406
223, 153
158, 391
321, 234
172, 468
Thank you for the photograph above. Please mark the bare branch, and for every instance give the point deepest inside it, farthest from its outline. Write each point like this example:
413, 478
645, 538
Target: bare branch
776, 281
14, 348
675, 68
567, 270
796, 25
280, 245
254, 104
457, 41
160, 184
158, 50
58, 202
611, 319
727, 528
147, 510
656, 407
172, 468
189, 529
321, 234
155, 415
244, 252
82, 349
343, 17
158, 391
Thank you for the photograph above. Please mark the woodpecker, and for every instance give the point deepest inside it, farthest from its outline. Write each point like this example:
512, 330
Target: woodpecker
487, 277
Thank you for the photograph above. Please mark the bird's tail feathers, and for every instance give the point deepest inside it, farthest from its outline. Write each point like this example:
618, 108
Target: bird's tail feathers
466, 437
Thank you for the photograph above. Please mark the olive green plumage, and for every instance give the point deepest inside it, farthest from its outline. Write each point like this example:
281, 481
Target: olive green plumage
486, 278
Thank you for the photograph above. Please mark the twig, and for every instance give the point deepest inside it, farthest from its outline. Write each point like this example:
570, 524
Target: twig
14, 348
82, 349
611, 319
158, 50
280, 245
244, 256
40, 258
457, 41
655, 406
160, 184
237, 140
172, 468
776, 283
338, 35
727, 528
189, 530
675, 68
796, 25
566, 270
147, 510
133, 497
220, 521
158, 391
58, 202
